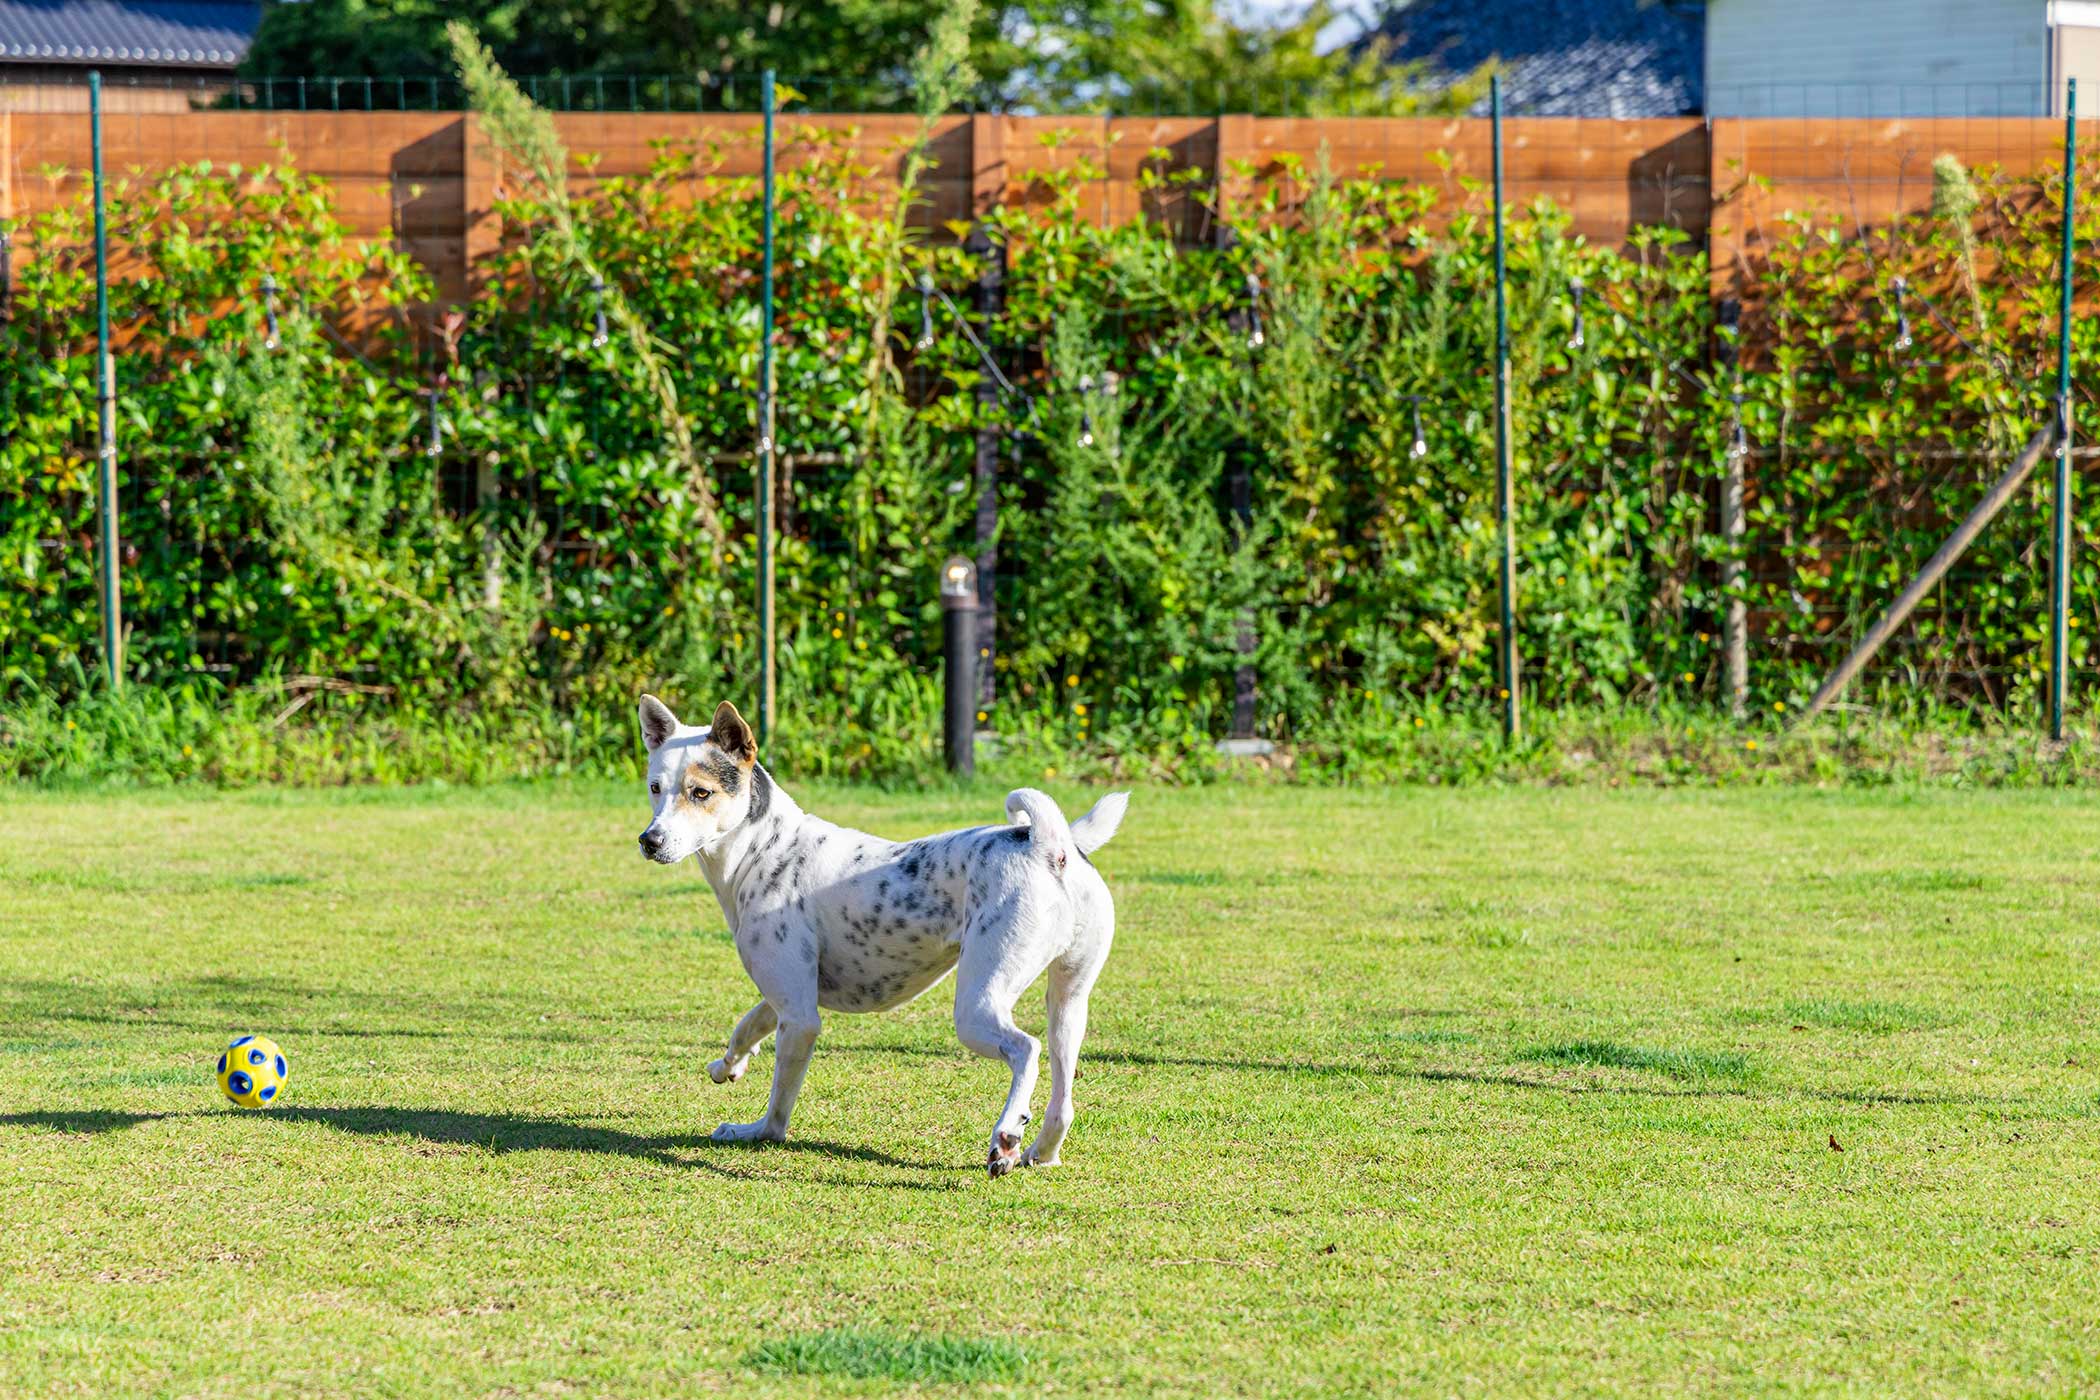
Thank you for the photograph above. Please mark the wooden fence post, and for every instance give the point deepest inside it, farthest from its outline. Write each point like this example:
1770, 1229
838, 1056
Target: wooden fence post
987, 163
1735, 615
1233, 140
480, 231
989, 298
7, 164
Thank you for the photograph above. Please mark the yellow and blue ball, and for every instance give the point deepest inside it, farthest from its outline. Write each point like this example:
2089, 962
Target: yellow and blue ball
252, 1071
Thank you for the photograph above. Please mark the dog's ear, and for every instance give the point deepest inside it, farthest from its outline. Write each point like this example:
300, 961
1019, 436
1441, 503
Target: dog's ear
732, 736
658, 723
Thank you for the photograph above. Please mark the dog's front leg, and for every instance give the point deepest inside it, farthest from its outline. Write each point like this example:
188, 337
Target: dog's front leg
792, 1046
757, 1024
783, 962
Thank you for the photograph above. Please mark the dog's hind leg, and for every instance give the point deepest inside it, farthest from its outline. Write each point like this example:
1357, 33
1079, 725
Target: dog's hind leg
1067, 996
757, 1024
985, 993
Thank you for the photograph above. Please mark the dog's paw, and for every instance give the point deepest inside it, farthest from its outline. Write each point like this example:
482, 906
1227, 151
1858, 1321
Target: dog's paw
1004, 1156
761, 1131
1030, 1159
723, 1072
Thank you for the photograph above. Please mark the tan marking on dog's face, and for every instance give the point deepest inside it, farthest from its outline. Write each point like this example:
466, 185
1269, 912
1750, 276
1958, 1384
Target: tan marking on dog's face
700, 783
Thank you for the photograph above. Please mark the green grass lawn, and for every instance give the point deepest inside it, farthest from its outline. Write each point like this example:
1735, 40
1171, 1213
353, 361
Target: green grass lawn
1412, 1092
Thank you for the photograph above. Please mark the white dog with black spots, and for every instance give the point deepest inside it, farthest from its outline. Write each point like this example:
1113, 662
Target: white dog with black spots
828, 919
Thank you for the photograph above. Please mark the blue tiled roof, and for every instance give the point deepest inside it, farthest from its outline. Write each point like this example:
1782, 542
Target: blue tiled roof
1576, 58
127, 33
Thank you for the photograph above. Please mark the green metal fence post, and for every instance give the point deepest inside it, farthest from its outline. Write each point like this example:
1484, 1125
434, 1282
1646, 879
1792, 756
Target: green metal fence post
1504, 483
2060, 568
106, 395
765, 440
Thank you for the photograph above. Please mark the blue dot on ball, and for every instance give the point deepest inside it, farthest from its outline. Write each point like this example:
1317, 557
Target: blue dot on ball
280, 1067
256, 1057
239, 1043
239, 1082
269, 1092
222, 1064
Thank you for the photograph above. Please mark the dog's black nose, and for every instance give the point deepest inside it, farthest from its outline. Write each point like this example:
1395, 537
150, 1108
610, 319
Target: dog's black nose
652, 842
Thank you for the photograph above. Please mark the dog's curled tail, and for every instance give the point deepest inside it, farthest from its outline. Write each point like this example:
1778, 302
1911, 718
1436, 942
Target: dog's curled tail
1026, 807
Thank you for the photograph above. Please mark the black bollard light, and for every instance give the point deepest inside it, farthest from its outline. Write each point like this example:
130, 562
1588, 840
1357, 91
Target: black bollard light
959, 650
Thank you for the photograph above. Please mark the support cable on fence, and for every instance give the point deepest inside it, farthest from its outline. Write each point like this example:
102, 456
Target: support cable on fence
928, 288
1901, 287
1903, 341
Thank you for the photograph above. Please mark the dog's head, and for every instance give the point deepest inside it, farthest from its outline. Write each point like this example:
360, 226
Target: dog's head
703, 783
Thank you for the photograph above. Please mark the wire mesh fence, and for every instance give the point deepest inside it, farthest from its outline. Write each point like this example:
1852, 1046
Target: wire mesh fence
1858, 101
658, 92
529, 430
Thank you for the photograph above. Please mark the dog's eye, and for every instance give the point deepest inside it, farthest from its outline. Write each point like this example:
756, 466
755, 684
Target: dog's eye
701, 794
655, 789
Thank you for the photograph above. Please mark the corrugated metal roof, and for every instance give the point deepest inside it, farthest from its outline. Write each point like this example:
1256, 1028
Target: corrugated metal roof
127, 33
1574, 58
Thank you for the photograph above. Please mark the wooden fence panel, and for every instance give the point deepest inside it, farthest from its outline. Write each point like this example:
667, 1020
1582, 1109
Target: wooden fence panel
1857, 173
428, 181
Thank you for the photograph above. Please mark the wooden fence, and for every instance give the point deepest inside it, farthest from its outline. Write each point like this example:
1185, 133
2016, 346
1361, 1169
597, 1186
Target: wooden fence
427, 180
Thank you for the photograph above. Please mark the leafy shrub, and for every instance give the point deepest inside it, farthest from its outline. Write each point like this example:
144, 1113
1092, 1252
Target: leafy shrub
1173, 503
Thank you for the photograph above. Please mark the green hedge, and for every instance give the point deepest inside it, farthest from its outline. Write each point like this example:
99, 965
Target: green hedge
289, 534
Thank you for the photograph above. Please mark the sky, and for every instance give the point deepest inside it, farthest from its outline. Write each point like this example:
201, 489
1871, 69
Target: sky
1354, 19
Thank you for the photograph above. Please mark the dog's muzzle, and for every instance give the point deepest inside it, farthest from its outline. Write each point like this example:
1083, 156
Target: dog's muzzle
652, 844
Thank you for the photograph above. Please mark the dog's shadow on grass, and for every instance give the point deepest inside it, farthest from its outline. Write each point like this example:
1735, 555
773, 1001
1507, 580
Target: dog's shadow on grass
1485, 1078
506, 1132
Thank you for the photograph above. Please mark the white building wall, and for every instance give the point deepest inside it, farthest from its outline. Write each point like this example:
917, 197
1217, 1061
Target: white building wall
1864, 58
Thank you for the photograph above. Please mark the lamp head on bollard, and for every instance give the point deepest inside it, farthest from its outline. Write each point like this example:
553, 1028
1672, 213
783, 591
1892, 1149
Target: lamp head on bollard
958, 583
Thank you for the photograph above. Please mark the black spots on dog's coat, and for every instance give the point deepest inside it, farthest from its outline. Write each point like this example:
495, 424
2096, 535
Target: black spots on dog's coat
1017, 834
761, 794
727, 775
